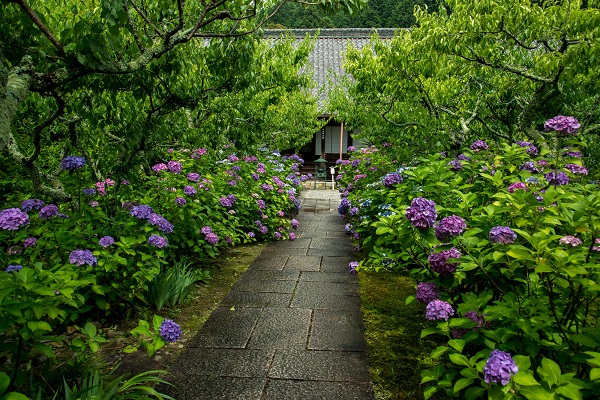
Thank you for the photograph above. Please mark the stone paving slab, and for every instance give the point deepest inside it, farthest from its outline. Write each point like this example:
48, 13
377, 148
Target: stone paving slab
269, 286
337, 330
335, 264
303, 263
227, 328
338, 366
189, 387
317, 390
312, 276
240, 363
290, 327
281, 328
257, 299
269, 261
326, 302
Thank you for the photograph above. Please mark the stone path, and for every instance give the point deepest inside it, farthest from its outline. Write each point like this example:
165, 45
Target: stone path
291, 327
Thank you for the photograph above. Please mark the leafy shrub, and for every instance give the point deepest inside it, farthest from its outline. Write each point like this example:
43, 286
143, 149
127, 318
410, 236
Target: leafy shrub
514, 290
172, 285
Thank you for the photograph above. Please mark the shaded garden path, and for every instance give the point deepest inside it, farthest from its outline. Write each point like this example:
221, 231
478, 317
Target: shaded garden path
291, 327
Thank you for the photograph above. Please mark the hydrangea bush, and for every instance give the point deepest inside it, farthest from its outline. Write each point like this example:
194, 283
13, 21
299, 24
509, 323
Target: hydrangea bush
504, 254
100, 252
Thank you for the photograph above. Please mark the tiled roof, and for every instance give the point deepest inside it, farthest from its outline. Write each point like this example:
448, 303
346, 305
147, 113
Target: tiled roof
327, 55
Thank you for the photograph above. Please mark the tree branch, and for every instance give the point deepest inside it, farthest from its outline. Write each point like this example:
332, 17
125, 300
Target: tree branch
37, 131
36, 20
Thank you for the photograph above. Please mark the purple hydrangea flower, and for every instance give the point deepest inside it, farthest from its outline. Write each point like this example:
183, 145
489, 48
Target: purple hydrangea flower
502, 234
29, 242
49, 211
577, 169
532, 151
391, 179
193, 177
427, 292
190, 191
292, 236
562, 124
264, 230
499, 368
13, 268
157, 241
106, 241
479, 145
516, 186
294, 222
142, 212
80, 257
232, 199
206, 230
160, 222
455, 165
159, 167
570, 240
174, 167
450, 226
344, 206
277, 235
180, 201
557, 178
353, 211
251, 234
356, 163
438, 310
32, 205
170, 331
212, 238
352, 266
573, 154
463, 157
421, 213
261, 204
89, 191
72, 163
476, 317
12, 219
529, 166
266, 187
93, 203
438, 263
225, 202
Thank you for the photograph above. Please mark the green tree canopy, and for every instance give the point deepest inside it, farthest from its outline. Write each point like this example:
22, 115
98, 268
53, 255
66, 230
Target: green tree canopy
487, 69
114, 79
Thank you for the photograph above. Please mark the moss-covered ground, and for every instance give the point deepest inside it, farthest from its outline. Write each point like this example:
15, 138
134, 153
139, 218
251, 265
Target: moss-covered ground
396, 352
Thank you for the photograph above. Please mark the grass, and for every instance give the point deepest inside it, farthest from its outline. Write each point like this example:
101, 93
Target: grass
393, 329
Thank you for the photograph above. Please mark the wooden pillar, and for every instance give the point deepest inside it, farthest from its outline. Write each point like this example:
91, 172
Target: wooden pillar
341, 140
323, 143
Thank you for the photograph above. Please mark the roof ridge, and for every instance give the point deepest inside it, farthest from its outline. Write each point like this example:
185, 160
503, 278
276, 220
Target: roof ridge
334, 33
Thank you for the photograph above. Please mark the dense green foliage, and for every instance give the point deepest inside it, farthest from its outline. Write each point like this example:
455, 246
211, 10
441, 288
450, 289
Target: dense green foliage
100, 254
375, 14
492, 69
531, 292
115, 80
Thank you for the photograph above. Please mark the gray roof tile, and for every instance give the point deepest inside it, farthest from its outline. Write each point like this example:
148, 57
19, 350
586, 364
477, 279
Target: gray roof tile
326, 57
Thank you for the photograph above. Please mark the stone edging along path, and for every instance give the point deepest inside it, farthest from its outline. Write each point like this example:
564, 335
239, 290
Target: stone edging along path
290, 328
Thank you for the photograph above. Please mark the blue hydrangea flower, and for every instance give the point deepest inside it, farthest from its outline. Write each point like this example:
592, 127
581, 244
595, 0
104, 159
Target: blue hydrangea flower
80, 257
32, 205
141, 212
72, 163
106, 241
13, 268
